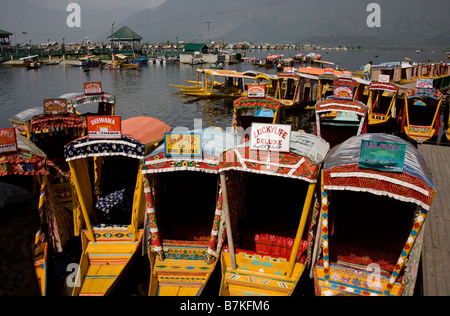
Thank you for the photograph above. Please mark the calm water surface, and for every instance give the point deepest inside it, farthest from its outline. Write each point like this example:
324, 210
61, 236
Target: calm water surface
147, 92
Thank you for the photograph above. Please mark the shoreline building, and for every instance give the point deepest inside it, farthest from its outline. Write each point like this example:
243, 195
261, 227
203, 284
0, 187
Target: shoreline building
5, 42
125, 38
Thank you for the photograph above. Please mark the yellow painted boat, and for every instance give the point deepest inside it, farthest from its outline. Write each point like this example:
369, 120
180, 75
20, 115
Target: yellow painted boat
185, 219
294, 89
372, 218
232, 84
27, 166
111, 229
268, 237
384, 105
421, 114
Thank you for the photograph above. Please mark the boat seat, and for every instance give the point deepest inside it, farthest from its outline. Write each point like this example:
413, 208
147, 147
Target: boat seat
114, 207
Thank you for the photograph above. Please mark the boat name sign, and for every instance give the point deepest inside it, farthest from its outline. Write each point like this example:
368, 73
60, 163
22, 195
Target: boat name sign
8, 140
270, 137
55, 106
183, 144
383, 156
104, 127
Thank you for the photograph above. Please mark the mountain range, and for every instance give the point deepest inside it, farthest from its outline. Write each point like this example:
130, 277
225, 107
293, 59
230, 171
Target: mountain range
413, 24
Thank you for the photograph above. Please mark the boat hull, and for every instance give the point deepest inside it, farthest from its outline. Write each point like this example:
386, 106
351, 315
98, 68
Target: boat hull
104, 261
183, 272
258, 275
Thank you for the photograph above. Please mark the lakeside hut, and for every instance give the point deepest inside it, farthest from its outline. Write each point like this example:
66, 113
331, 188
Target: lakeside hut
126, 36
5, 42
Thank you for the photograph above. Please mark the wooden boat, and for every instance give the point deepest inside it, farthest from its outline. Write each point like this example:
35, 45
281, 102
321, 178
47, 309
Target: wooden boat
20, 120
295, 90
106, 103
232, 84
270, 61
372, 218
421, 114
248, 110
270, 197
287, 62
184, 201
340, 117
124, 62
109, 229
32, 62
25, 165
384, 105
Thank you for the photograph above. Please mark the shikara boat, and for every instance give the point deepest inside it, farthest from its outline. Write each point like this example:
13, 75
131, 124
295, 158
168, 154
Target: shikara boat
20, 120
340, 117
125, 62
185, 223
372, 217
270, 197
109, 201
32, 62
384, 105
106, 103
26, 166
295, 90
421, 114
270, 61
231, 84
108, 209
248, 110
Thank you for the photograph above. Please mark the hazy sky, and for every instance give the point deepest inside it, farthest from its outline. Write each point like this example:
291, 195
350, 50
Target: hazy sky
96, 4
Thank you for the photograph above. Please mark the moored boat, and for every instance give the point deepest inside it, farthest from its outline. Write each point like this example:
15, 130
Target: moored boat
296, 90
185, 223
109, 202
384, 106
32, 62
339, 117
270, 197
25, 165
376, 193
421, 113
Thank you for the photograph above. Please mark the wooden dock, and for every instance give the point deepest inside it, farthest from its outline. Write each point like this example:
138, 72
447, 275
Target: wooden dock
436, 249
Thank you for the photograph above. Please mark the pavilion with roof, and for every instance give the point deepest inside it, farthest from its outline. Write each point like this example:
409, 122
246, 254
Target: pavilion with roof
126, 35
5, 42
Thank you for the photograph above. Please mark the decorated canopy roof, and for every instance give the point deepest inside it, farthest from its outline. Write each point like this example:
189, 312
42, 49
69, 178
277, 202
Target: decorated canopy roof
256, 103
85, 147
77, 99
424, 93
414, 184
28, 160
302, 162
331, 104
386, 86
48, 122
147, 130
214, 143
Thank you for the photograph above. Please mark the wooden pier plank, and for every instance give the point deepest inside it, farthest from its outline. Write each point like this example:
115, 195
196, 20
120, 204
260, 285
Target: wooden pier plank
436, 251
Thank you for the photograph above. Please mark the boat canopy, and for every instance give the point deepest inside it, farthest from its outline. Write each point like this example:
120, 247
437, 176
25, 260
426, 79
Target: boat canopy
227, 73
85, 147
28, 160
74, 100
148, 130
385, 86
307, 153
29, 57
272, 57
332, 104
414, 184
48, 122
214, 142
427, 93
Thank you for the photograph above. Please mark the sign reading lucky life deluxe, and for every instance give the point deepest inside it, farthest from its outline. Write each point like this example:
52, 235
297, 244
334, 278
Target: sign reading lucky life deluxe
183, 144
383, 156
104, 127
273, 137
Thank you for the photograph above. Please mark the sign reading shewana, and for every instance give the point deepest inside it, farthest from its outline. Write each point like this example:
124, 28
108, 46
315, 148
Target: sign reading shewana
272, 137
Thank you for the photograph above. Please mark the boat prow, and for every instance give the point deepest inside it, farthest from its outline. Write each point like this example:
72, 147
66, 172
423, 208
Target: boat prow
104, 260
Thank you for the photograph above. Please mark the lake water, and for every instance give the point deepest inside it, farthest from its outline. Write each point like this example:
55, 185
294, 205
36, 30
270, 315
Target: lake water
147, 92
